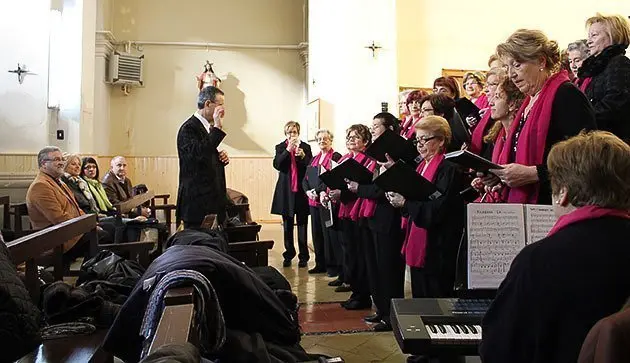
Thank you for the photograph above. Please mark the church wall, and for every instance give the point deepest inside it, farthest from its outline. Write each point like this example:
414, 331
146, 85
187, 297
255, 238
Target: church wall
463, 34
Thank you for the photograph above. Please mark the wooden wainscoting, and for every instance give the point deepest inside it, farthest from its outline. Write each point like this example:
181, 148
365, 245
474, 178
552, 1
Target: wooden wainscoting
254, 176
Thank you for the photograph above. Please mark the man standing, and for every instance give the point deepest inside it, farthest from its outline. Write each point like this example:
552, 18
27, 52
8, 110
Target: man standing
201, 165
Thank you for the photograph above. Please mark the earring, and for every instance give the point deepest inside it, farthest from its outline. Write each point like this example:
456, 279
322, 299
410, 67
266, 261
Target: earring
541, 69
557, 202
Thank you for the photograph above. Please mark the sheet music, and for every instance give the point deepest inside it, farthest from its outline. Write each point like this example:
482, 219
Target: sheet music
539, 219
333, 164
496, 234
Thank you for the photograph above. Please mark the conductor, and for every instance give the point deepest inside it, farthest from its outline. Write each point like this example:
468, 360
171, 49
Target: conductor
201, 165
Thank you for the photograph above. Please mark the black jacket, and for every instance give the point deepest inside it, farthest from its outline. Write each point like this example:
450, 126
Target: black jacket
201, 174
444, 219
249, 306
556, 290
609, 90
285, 202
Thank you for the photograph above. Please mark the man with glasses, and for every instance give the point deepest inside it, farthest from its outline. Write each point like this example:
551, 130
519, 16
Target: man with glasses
50, 202
202, 188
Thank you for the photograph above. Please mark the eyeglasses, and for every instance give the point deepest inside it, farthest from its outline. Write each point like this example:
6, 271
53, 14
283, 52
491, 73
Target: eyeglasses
353, 137
56, 160
422, 140
88, 167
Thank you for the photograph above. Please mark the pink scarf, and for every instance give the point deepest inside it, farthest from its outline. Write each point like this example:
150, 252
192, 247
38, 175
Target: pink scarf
482, 102
358, 207
325, 164
585, 82
415, 247
532, 139
294, 171
476, 142
586, 213
408, 127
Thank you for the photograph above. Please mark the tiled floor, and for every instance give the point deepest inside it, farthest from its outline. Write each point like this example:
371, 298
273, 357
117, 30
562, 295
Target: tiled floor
354, 348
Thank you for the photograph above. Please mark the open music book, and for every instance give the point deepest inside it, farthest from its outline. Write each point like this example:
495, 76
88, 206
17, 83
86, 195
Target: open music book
497, 233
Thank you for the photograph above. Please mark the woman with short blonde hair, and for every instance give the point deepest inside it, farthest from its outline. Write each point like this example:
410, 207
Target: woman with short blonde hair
79, 187
579, 273
605, 76
553, 110
434, 227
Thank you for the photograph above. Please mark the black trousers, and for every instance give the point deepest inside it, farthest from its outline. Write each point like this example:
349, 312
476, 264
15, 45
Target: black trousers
357, 240
387, 270
302, 234
317, 233
428, 284
332, 244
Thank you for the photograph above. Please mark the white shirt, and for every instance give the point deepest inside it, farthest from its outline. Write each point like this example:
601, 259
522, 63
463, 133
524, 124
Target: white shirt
204, 122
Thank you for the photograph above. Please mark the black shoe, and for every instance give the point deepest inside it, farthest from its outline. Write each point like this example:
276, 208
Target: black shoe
335, 283
374, 318
317, 270
382, 326
358, 305
332, 274
343, 288
286, 263
303, 264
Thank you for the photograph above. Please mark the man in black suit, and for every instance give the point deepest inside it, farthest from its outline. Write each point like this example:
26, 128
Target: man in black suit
201, 165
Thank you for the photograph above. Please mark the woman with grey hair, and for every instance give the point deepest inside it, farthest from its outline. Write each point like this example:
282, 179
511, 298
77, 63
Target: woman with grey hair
325, 239
577, 52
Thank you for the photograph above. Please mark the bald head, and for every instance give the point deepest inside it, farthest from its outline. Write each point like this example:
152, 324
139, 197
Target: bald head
119, 166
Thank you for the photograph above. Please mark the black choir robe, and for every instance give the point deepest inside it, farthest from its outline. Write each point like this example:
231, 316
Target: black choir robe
556, 290
285, 202
444, 219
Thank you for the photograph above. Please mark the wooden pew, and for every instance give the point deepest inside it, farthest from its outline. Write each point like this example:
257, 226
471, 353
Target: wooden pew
5, 202
253, 253
176, 323
135, 202
18, 210
167, 208
29, 249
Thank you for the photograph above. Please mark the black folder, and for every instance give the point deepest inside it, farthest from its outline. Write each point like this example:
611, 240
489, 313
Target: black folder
404, 180
471, 161
393, 144
349, 169
466, 108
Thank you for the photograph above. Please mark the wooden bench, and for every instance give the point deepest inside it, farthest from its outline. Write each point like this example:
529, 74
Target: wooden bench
176, 323
167, 208
30, 248
253, 253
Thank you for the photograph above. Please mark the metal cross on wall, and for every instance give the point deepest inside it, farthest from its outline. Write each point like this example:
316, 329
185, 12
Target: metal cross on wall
373, 47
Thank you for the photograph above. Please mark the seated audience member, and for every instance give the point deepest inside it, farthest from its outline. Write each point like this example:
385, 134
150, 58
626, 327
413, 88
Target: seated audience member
553, 110
117, 186
605, 75
50, 201
90, 173
559, 287
576, 53
435, 227
78, 186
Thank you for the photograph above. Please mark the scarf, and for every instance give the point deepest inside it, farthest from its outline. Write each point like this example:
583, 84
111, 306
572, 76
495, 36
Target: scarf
407, 128
482, 102
325, 164
586, 213
532, 139
584, 83
358, 207
83, 187
476, 139
293, 171
98, 192
415, 246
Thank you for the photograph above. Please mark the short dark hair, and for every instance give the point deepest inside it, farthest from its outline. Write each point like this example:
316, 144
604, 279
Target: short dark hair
389, 121
89, 160
415, 95
207, 94
442, 104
